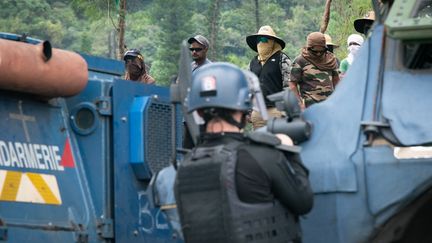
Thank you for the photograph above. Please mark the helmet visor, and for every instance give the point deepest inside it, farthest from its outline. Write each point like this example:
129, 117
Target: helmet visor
255, 90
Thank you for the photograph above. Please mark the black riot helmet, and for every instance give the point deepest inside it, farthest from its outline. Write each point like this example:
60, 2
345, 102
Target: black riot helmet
219, 85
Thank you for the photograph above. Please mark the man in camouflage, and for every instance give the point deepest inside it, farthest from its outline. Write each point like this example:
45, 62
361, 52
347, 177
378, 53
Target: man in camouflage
314, 72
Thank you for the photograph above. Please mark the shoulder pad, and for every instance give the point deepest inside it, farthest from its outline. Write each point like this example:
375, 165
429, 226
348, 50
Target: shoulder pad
271, 140
264, 138
201, 152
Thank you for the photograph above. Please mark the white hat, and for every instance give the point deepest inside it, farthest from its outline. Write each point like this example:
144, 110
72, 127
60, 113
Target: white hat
356, 38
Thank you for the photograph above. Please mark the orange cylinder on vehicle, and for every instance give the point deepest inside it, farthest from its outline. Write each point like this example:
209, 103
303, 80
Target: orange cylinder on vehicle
40, 69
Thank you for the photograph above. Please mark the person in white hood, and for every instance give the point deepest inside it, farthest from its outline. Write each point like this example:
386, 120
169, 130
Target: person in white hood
354, 42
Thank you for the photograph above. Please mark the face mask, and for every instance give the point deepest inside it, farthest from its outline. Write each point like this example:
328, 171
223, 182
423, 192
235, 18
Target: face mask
134, 70
265, 49
353, 49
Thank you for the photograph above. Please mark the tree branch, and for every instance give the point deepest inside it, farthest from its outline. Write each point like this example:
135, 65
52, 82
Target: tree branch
326, 17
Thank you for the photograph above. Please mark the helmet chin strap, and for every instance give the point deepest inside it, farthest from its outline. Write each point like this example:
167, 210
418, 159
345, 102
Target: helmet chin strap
240, 125
226, 116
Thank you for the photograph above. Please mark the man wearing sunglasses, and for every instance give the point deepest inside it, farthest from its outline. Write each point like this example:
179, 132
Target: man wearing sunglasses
271, 66
198, 46
314, 73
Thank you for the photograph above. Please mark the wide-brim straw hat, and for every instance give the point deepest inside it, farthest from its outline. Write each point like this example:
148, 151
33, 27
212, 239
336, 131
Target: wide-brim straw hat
266, 31
368, 18
329, 41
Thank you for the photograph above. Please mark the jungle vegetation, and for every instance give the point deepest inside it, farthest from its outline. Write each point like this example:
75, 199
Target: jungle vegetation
157, 27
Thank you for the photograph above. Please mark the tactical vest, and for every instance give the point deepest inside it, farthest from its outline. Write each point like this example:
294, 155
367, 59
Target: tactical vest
210, 210
270, 75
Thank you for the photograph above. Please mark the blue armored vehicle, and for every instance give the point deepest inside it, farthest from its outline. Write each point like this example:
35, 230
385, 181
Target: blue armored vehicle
369, 152
81, 149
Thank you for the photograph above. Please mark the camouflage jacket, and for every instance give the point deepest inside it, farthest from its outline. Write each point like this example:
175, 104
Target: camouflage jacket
315, 85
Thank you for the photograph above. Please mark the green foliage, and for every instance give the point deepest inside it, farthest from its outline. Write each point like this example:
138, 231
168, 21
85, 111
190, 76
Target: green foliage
173, 21
341, 23
141, 34
302, 23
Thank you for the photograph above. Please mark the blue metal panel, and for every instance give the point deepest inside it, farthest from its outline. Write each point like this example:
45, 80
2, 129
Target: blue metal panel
104, 65
26, 121
341, 212
137, 218
406, 104
9, 36
391, 181
137, 139
95, 147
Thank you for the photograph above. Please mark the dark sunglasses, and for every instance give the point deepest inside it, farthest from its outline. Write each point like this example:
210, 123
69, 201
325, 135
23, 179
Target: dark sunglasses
263, 39
316, 51
195, 49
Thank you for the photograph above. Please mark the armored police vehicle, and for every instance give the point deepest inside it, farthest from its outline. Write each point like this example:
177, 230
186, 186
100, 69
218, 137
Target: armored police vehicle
369, 152
81, 149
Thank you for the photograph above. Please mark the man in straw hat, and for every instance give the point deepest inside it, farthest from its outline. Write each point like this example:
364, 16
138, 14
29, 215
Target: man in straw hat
363, 25
329, 43
272, 67
314, 72
331, 46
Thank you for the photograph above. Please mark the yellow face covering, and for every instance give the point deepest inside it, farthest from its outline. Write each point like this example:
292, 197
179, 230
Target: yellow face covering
267, 49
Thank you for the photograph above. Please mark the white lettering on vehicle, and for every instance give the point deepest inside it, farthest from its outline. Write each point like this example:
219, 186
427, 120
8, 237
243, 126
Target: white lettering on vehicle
28, 155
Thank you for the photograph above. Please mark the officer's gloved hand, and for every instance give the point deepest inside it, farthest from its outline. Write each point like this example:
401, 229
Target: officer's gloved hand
285, 139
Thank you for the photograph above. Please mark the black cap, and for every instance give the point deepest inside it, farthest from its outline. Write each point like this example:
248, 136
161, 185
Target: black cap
132, 53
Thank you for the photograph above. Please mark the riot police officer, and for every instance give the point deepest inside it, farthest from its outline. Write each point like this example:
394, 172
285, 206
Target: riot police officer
234, 187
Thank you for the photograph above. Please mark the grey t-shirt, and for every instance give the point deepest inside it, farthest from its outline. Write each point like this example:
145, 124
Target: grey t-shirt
195, 65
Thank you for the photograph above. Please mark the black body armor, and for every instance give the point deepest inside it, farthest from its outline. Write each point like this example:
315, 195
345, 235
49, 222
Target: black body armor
210, 210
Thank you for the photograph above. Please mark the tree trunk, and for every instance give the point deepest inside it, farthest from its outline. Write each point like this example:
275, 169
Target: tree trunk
214, 26
121, 28
257, 19
326, 17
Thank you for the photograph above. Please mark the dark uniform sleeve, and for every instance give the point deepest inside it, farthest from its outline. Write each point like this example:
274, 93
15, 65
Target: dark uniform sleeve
278, 177
291, 183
